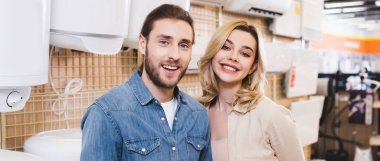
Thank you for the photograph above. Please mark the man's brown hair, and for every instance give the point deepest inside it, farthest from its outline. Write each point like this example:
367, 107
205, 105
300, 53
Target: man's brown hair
165, 11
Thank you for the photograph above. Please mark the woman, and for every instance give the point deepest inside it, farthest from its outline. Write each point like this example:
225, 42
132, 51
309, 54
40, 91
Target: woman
245, 125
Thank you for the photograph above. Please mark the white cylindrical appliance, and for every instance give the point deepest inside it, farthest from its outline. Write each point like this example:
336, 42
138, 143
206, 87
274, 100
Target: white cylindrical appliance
24, 50
7, 155
56, 145
97, 26
139, 10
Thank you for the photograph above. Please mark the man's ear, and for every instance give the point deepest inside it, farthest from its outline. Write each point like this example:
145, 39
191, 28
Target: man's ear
142, 44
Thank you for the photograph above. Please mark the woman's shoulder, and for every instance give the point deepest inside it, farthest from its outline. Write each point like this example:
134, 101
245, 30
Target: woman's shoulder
270, 110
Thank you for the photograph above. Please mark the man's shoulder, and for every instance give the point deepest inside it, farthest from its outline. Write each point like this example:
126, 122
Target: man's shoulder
118, 98
193, 104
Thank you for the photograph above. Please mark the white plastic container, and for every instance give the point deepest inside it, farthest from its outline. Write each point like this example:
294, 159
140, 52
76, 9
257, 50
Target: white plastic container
56, 145
7, 155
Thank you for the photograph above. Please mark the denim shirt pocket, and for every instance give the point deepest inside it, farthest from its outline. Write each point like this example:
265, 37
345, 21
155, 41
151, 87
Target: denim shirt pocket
194, 146
142, 149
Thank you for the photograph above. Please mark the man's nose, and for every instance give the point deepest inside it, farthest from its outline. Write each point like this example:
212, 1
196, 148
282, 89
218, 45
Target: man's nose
174, 53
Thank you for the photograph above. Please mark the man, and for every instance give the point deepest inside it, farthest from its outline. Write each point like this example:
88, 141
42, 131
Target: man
148, 118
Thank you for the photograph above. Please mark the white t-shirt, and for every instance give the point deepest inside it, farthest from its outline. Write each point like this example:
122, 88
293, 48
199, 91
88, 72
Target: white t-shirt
169, 109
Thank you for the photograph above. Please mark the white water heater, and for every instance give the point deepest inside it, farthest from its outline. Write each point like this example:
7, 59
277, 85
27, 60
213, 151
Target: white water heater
139, 10
24, 50
262, 8
96, 26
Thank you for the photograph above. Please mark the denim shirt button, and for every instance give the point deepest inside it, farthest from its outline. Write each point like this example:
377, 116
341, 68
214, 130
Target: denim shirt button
162, 118
173, 148
198, 146
143, 149
175, 118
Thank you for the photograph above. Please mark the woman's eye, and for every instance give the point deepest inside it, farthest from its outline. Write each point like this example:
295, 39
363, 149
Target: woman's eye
225, 47
245, 54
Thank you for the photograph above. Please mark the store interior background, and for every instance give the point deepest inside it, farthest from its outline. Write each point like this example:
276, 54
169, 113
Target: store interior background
318, 36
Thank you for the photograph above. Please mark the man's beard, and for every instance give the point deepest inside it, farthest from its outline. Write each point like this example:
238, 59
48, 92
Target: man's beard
154, 75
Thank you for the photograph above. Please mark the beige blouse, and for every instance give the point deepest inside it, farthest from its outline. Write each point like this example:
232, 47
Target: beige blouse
266, 133
219, 150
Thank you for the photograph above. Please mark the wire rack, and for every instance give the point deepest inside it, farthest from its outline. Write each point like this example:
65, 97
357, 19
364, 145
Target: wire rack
205, 19
99, 73
190, 84
38, 116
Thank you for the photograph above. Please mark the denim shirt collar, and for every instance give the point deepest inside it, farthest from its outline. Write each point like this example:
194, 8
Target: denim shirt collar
143, 94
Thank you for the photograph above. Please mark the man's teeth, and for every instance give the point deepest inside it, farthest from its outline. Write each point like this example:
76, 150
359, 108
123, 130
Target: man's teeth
170, 67
229, 68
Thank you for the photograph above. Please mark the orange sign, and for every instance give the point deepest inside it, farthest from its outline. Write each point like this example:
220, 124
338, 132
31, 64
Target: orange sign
356, 45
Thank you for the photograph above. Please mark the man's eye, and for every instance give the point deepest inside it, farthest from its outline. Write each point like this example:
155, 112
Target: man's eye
164, 42
184, 45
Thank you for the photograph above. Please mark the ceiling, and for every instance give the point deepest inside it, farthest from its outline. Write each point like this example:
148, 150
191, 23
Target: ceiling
361, 14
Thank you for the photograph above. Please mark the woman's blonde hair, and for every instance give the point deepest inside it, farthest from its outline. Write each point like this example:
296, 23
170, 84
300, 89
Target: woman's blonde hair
252, 86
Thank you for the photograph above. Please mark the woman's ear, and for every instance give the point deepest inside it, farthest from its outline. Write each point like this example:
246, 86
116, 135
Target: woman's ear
142, 44
253, 69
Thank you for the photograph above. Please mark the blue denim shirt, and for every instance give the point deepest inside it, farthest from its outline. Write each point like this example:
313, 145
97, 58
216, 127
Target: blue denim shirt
129, 124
